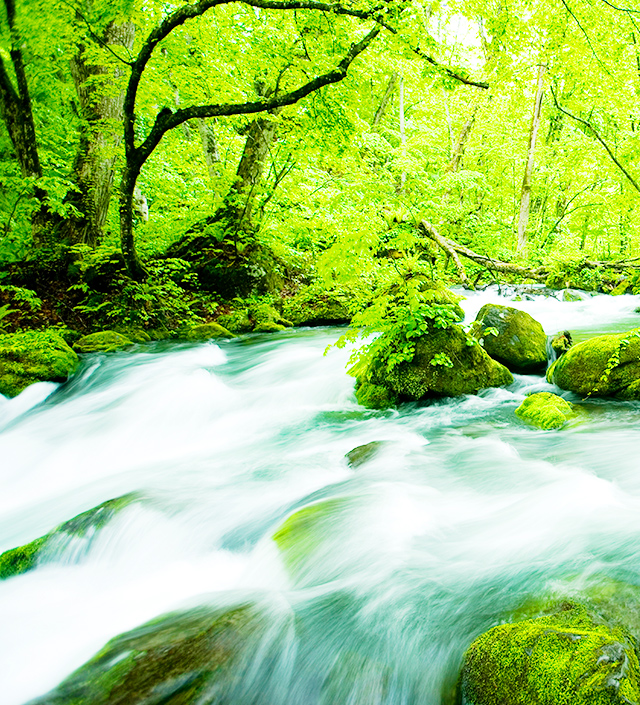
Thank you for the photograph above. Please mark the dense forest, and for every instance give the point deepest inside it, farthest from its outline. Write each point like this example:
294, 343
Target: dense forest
177, 178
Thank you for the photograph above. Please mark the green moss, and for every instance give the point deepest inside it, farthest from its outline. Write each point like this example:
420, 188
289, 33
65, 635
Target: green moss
362, 454
33, 356
545, 410
207, 331
561, 342
178, 658
267, 318
237, 321
303, 532
471, 368
568, 658
520, 343
621, 288
105, 341
588, 367
315, 306
374, 396
24, 558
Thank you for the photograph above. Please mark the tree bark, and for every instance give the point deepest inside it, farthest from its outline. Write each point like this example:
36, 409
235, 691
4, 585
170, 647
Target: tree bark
449, 248
209, 147
525, 197
403, 134
384, 103
461, 143
101, 110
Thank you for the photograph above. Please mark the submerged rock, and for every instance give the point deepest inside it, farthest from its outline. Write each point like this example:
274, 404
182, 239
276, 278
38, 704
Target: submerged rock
207, 331
24, 558
446, 363
545, 410
607, 366
33, 356
105, 341
567, 657
179, 659
518, 341
363, 454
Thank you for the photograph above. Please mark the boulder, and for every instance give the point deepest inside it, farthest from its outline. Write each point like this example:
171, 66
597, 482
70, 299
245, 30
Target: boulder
561, 342
518, 341
545, 410
567, 657
605, 366
180, 658
105, 341
24, 558
207, 331
33, 356
237, 320
374, 396
267, 318
572, 295
317, 307
361, 455
446, 363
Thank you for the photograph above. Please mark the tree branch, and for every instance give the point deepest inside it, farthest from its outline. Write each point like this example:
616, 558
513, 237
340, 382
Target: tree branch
596, 134
593, 51
621, 9
167, 120
449, 72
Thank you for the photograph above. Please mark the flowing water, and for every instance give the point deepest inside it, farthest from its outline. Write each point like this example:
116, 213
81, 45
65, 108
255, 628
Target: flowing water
462, 514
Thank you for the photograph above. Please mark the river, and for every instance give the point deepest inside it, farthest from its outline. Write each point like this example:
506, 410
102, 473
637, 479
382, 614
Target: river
462, 514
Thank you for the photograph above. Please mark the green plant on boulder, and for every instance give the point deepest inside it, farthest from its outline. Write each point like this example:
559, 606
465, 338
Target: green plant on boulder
561, 342
545, 410
24, 558
104, 341
33, 356
607, 365
179, 658
512, 337
568, 657
207, 331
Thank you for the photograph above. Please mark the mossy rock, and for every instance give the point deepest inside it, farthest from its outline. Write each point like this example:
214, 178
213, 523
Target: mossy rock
24, 558
267, 318
317, 307
363, 454
545, 410
571, 295
561, 342
207, 331
604, 366
33, 356
105, 341
302, 533
568, 657
520, 343
621, 288
177, 659
374, 396
471, 368
237, 321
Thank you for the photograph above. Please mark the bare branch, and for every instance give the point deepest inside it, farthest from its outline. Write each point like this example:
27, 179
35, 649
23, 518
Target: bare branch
593, 51
621, 9
596, 134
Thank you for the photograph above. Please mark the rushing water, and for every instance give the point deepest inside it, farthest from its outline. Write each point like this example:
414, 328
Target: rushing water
462, 515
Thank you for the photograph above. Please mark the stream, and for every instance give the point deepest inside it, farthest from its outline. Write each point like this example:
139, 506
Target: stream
461, 515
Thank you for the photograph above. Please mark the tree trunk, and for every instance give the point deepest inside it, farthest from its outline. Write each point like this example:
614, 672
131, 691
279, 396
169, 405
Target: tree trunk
403, 134
127, 241
102, 112
237, 208
388, 95
461, 143
209, 147
525, 197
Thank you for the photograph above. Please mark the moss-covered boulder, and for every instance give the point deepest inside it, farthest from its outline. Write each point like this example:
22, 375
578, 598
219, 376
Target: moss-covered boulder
568, 657
302, 534
105, 341
361, 455
512, 337
545, 410
317, 307
446, 363
183, 658
374, 396
606, 366
24, 558
207, 331
561, 342
237, 320
33, 356
267, 318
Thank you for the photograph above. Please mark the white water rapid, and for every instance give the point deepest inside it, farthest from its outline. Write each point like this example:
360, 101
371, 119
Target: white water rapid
464, 513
